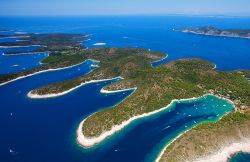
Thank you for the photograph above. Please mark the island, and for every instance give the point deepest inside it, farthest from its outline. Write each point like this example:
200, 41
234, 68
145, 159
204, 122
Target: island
154, 89
45, 42
60, 47
212, 31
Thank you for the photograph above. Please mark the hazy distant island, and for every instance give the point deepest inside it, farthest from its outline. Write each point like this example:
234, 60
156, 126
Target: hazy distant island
154, 89
212, 31
46, 42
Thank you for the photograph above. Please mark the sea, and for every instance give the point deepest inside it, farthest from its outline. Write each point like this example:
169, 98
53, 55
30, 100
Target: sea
44, 130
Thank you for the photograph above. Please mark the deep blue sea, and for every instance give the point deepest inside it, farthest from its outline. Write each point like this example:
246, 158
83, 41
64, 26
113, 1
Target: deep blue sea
45, 130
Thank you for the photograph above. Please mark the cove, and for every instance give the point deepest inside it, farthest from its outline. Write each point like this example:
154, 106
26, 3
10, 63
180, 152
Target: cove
145, 138
32, 120
53, 122
17, 63
45, 130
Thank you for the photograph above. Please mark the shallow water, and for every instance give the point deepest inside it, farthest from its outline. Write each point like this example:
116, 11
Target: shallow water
147, 137
44, 130
41, 130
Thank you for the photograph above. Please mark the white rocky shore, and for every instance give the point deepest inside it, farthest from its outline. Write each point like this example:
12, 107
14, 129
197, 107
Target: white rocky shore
37, 96
226, 151
88, 142
43, 71
123, 90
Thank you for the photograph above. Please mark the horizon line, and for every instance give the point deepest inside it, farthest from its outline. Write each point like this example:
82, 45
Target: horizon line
156, 14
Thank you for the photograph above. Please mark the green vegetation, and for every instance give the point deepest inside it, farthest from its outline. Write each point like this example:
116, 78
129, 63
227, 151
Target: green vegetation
64, 51
183, 78
157, 87
52, 42
107, 56
209, 30
207, 138
55, 60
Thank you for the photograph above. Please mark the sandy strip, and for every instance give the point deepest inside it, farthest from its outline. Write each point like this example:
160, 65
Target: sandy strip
36, 96
43, 71
90, 142
227, 151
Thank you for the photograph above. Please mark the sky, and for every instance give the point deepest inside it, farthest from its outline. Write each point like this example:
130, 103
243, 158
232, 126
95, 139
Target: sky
124, 7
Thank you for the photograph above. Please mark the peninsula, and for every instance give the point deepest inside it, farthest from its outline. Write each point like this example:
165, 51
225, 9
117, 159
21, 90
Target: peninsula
64, 51
156, 87
212, 31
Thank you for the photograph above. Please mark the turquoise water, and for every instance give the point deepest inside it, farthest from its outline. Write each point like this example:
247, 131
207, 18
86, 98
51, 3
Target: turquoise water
45, 130
240, 157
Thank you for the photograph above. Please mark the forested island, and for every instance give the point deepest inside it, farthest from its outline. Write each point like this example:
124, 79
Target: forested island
156, 88
212, 31
64, 50
47, 42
